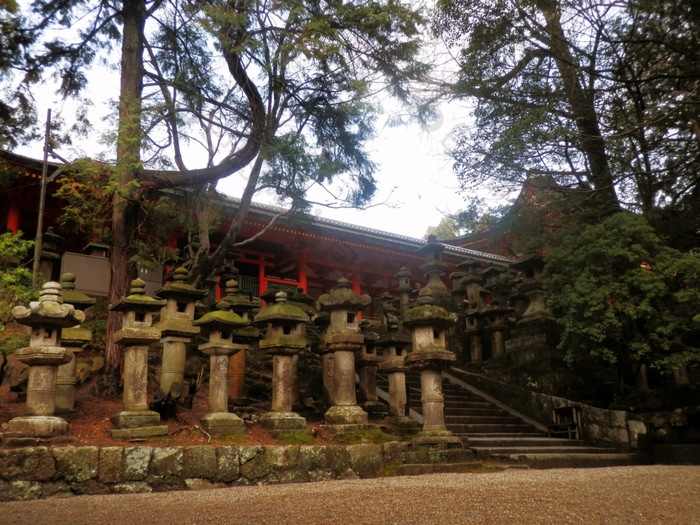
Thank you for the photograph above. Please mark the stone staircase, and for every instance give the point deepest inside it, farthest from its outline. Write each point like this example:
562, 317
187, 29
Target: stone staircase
500, 436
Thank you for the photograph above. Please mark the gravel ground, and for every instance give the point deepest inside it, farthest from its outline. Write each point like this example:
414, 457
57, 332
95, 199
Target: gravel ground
644, 494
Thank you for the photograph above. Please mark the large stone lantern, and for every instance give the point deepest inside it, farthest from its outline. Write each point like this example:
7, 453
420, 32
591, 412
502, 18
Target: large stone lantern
428, 324
285, 337
73, 339
343, 339
531, 286
176, 327
47, 317
219, 326
136, 336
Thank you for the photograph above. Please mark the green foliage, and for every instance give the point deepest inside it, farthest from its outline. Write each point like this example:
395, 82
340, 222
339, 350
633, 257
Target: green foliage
622, 297
15, 287
600, 96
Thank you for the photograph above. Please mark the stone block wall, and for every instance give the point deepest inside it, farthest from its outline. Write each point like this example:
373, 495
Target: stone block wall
45, 472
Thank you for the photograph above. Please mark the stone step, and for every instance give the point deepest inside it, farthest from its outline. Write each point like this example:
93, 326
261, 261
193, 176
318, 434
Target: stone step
523, 440
416, 469
478, 428
485, 411
482, 419
499, 452
573, 460
450, 455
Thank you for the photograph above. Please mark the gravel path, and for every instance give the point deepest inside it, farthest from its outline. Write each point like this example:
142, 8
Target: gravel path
644, 494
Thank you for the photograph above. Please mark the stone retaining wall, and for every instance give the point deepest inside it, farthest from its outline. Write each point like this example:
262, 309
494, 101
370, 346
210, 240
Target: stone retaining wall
45, 472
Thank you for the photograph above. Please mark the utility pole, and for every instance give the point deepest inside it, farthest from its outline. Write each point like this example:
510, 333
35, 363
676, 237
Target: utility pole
42, 197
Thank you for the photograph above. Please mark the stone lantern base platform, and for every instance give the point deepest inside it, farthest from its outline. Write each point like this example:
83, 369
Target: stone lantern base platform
343, 429
223, 424
136, 424
375, 409
37, 426
345, 415
284, 423
405, 424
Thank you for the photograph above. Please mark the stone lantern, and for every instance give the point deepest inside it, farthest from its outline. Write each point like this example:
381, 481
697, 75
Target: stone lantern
49, 253
176, 327
219, 326
434, 268
428, 324
306, 303
244, 307
73, 339
344, 339
285, 337
496, 315
395, 344
404, 289
531, 287
47, 317
322, 322
474, 303
367, 362
136, 335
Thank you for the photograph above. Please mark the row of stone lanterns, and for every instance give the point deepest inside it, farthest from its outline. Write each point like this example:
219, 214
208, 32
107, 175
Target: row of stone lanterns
229, 334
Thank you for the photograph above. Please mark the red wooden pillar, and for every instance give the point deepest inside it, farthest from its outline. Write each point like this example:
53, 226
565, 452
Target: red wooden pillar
303, 273
13, 218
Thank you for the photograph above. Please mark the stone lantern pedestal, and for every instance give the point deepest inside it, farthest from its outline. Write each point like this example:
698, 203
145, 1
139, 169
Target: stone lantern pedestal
428, 323
220, 326
344, 340
46, 317
285, 337
73, 339
136, 335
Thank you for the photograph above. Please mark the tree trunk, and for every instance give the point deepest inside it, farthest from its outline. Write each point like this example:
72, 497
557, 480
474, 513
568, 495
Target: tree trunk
590, 138
124, 212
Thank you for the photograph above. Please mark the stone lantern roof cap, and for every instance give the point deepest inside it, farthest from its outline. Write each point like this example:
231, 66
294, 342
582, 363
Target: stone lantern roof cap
281, 312
70, 296
343, 297
531, 260
222, 317
49, 310
432, 247
180, 288
428, 313
137, 300
236, 301
470, 264
403, 272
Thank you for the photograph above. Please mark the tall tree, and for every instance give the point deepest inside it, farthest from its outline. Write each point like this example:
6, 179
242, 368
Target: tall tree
565, 89
281, 85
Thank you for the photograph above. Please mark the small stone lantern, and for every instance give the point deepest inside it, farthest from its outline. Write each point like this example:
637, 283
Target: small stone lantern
367, 362
404, 289
47, 317
428, 323
531, 286
219, 326
244, 307
285, 337
136, 335
395, 344
176, 327
344, 339
73, 339
434, 268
